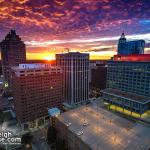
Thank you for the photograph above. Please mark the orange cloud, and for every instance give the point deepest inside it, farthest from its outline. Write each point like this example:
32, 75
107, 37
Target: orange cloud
60, 2
20, 1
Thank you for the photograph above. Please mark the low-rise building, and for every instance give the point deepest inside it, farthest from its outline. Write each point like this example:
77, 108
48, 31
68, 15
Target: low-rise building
133, 102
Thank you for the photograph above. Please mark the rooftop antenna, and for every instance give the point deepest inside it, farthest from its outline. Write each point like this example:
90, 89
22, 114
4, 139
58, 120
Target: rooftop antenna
123, 35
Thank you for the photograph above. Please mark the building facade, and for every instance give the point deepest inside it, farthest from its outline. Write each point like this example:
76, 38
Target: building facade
93, 65
128, 82
130, 47
75, 68
98, 77
13, 52
131, 77
36, 87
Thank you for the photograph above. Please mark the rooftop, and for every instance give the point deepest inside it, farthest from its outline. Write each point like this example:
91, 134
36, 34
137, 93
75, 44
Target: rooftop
133, 57
34, 69
11, 36
34, 66
105, 130
131, 96
31, 66
73, 54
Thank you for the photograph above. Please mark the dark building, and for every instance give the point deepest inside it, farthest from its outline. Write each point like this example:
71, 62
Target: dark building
0, 67
130, 47
128, 82
13, 52
36, 87
75, 68
98, 76
94, 64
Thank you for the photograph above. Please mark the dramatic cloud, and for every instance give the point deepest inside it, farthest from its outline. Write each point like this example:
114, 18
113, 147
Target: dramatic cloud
80, 25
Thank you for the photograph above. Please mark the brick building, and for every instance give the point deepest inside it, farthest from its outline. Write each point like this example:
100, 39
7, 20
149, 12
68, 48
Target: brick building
37, 87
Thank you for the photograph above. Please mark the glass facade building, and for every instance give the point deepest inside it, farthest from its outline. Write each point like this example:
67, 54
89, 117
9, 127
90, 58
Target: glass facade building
130, 47
129, 77
128, 85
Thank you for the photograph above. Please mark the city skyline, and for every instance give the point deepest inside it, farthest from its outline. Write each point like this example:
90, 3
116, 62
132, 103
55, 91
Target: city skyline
80, 25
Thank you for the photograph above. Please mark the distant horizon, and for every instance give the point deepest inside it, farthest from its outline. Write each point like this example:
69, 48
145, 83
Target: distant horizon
55, 60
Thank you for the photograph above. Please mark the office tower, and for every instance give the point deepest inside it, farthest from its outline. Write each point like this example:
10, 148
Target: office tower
130, 47
128, 82
13, 52
36, 87
75, 68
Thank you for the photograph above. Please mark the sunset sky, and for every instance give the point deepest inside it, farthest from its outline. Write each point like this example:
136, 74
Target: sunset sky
94, 26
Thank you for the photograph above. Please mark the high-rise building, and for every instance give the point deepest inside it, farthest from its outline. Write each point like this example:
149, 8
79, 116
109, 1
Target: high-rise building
130, 47
128, 82
13, 52
36, 87
75, 68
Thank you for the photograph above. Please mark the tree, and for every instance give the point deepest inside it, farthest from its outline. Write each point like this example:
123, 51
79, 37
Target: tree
51, 135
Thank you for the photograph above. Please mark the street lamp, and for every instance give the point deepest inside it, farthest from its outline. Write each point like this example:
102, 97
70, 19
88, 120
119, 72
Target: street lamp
115, 138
